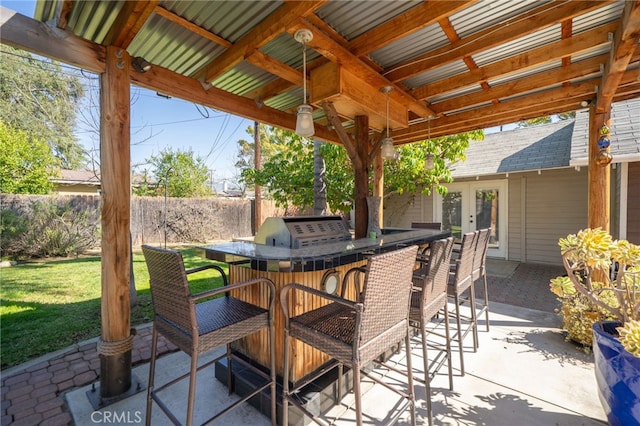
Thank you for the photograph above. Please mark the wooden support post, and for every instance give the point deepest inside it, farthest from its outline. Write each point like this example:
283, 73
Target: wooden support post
116, 340
378, 182
361, 174
599, 176
257, 154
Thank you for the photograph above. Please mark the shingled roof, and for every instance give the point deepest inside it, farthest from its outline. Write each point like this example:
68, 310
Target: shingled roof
625, 134
555, 145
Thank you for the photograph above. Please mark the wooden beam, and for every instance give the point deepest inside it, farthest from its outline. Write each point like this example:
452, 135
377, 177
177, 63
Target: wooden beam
361, 176
625, 41
449, 126
130, 19
190, 26
532, 58
263, 33
348, 143
280, 85
375, 148
545, 79
412, 20
25, 33
276, 67
63, 17
179, 86
333, 51
534, 20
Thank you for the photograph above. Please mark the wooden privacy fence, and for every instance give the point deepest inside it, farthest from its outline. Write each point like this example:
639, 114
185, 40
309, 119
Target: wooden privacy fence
185, 220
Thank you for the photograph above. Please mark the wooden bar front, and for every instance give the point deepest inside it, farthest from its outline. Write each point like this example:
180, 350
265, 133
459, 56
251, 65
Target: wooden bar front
307, 266
304, 359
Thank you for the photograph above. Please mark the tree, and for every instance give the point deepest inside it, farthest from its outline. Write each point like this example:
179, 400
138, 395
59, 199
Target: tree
288, 173
547, 119
38, 97
409, 173
26, 163
180, 173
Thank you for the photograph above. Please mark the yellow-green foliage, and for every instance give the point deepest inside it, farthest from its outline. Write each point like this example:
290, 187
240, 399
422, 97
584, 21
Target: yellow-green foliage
630, 337
589, 292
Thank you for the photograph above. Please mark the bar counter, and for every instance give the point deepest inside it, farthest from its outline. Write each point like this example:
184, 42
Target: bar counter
318, 257
308, 266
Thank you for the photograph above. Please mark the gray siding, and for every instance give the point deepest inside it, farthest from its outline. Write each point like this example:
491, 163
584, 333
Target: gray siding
516, 249
614, 206
401, 210
556, 203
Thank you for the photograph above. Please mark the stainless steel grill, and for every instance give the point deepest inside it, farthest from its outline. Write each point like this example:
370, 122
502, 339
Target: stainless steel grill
303, 231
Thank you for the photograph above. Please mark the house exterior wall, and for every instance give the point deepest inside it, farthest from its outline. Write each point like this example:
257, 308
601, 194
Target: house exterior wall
556, 204
76, 189
401, 210
541, 209
614, 207
633, 203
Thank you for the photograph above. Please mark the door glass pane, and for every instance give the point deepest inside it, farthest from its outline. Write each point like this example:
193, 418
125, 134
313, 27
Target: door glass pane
452, 213
486, 207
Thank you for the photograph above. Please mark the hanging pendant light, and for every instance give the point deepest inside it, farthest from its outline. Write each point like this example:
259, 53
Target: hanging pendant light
387, 151
428, 160
304, 121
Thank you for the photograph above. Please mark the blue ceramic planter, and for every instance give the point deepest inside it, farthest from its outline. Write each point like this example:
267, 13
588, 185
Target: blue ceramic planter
618, 376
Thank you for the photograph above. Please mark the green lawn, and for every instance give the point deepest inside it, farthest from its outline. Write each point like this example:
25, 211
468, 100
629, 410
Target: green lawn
48, 305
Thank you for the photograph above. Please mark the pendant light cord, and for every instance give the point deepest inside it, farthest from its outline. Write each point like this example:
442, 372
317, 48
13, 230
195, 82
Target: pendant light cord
387, 114
304, 72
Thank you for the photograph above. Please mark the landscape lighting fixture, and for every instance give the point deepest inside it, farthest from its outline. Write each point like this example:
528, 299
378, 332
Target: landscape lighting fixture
387, 151
140, 64
304, 121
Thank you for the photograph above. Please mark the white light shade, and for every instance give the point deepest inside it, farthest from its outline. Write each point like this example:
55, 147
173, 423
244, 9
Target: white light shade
304, 122
387, 151
428, 162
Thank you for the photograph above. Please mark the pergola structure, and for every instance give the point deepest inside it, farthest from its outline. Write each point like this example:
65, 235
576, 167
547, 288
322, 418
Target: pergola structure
454, 66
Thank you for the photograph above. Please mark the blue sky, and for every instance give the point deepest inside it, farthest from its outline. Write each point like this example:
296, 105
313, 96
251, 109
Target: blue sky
158, 123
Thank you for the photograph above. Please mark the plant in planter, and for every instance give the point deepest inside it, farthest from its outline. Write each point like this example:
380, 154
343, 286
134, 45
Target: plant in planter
588, 257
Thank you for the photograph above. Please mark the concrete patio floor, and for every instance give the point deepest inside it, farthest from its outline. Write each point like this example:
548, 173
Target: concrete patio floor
523, 373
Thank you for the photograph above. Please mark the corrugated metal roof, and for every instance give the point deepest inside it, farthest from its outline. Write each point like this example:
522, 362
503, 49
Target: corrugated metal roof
176, 48
519, 45
353, 18
525, 73
455, 93
436, 74
485, 14
242, 78
163, 42
593, 19
92, 20
287, 50
230, 20
418, 43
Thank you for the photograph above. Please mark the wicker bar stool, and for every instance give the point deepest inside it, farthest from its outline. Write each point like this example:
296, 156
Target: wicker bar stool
480, 272
460, 282
355, 333
199, 327
428, 298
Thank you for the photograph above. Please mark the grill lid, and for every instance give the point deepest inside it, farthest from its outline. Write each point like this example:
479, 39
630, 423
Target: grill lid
302, 231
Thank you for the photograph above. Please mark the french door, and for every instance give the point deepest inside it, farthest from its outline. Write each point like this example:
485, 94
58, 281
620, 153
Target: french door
470, 206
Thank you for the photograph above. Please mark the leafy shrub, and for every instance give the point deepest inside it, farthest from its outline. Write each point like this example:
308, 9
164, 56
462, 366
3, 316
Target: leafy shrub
46, 229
